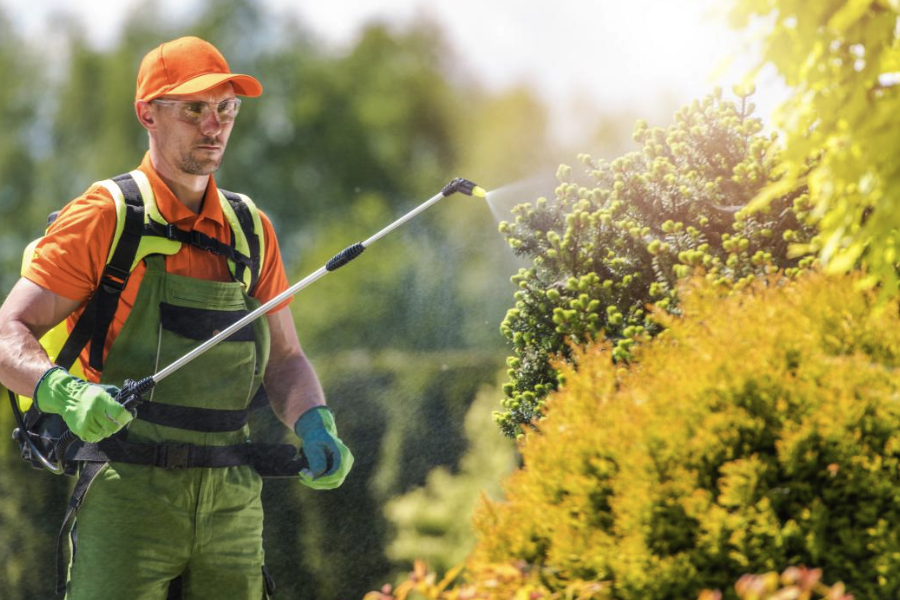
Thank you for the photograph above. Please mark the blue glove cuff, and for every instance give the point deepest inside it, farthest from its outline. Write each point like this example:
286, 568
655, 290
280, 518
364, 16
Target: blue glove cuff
318, 417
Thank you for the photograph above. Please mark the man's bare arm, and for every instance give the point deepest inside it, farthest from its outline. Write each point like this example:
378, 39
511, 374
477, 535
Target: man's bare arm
28, 313
290, 380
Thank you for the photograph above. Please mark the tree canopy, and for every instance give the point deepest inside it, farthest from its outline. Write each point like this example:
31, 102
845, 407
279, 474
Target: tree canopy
841, 59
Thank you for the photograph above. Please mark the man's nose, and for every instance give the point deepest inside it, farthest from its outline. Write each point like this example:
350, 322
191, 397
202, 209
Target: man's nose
209, 124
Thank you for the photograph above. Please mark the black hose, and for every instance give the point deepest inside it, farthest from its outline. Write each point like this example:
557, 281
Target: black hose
62, 445
30, 452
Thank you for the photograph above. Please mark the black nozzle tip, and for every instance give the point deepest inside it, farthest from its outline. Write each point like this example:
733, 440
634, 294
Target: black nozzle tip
460, 185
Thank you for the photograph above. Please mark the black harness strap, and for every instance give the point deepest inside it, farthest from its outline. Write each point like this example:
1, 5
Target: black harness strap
88, 473
197, 239
207, 420
94, 322
246, 221
269, 460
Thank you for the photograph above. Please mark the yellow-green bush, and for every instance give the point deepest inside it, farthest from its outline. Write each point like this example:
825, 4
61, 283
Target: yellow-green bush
518, 582
758, 432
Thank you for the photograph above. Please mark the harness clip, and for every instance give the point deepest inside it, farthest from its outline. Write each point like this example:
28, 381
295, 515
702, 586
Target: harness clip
204, 242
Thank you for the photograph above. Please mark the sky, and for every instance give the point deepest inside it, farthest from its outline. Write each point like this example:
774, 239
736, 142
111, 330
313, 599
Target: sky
620, 55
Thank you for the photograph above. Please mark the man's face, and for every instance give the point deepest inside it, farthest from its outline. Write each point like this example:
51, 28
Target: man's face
190, 136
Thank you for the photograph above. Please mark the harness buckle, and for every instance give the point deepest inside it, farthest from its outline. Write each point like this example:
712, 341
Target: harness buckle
171, 232
114, 279
201, 241
174, 456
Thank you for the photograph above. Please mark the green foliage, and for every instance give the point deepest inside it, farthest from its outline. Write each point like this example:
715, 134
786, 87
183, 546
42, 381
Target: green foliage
602, 254
840, 57
758, 431
432, 521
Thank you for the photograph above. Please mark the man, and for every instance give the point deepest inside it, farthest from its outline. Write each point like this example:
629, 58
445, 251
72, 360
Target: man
142, 526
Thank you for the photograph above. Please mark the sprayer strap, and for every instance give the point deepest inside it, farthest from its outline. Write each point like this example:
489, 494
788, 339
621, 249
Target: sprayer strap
245, 218
94, 322
269, 460
198, 240
207, 420
89, 472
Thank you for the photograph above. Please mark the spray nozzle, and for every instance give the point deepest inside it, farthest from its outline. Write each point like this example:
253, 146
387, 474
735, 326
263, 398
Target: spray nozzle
465, 186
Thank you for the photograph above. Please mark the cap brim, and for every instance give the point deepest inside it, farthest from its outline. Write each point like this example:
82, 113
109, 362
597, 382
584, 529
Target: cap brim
244, 85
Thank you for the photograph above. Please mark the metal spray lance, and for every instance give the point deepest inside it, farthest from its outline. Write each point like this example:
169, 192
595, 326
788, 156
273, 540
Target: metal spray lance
131, 394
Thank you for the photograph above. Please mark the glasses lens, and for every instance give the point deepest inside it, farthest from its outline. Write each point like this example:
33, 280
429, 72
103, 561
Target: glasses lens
226, 111
197, 111
193, 112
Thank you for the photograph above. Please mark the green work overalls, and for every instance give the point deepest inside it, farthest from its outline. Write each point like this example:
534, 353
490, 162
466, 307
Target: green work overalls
141, 526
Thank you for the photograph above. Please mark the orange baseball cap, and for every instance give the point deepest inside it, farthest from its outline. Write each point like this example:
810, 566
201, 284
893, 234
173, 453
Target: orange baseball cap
186, 66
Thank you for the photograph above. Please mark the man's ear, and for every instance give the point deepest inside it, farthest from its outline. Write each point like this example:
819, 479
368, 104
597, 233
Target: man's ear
145, 114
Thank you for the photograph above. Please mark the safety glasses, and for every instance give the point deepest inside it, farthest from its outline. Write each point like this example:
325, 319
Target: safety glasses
196, 111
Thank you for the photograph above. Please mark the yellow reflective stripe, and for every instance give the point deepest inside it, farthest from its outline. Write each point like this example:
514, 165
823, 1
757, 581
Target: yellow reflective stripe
27, 255
257, 228
151, 211
119, 199
150, 244
241, 244
240, 241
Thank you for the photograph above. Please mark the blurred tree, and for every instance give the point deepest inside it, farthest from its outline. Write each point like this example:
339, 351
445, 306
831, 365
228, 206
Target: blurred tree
841, 59
18, 169
27, 498
432, 521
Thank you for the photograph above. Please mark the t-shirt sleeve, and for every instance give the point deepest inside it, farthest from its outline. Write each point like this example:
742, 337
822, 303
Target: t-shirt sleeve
272, 278
70, 258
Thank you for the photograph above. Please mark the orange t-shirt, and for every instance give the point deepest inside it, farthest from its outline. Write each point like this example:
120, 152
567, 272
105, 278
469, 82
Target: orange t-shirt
69, 260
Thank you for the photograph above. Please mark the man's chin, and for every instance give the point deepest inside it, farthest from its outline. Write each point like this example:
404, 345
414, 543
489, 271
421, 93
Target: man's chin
201, 167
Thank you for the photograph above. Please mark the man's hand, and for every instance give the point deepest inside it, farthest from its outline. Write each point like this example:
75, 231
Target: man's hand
89, 409
329, 459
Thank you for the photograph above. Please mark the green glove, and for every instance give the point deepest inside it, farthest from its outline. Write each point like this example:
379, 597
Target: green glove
329, 459
89, 409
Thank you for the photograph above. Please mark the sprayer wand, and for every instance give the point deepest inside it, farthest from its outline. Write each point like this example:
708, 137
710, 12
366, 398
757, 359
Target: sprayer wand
132, 391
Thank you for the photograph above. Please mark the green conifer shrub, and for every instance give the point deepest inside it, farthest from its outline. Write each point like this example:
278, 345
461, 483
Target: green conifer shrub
605, 250
759, 431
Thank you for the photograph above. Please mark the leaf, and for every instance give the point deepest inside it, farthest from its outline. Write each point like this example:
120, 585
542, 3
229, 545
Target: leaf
450, 576
849, 14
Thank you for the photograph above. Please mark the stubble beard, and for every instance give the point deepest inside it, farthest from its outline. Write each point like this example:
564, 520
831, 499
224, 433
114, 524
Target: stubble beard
194, 166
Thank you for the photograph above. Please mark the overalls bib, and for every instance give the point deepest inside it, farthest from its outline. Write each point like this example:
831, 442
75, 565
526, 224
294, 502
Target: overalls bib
141, 526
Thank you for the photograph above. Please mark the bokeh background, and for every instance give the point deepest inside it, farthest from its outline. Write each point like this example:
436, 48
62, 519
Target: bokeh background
370, 107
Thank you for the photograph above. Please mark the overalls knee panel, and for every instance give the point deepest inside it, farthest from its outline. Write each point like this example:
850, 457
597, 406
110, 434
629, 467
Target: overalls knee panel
141, 525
